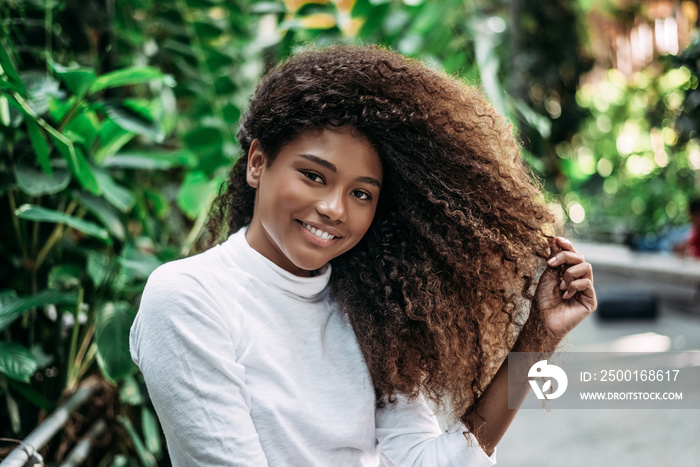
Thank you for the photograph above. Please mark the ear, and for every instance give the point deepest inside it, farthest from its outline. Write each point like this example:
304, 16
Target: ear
256, 162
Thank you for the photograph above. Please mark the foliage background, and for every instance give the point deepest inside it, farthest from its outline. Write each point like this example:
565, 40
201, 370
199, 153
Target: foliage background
117, 127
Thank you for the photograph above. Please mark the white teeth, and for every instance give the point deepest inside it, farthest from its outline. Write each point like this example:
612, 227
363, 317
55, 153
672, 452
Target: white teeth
318, 232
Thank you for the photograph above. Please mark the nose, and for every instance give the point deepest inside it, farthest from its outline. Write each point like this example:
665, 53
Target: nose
332, 206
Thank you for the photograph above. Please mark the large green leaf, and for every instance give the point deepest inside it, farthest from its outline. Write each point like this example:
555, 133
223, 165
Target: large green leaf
41, 214
77, 163
11, 306
112, 138
205, 141
131, 119
16, 361
137, 263
128, 77
76, 78
36, 182
104, 212
112, 324
97, 267
86, 126
8, 66
41, 89
41, 147
196, 194
118, 196
152, 160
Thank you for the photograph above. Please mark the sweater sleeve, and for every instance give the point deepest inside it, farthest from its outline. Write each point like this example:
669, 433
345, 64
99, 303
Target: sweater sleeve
185, 348
408, 434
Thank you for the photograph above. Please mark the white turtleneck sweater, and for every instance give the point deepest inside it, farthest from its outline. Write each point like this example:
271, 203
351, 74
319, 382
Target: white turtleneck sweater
250, 365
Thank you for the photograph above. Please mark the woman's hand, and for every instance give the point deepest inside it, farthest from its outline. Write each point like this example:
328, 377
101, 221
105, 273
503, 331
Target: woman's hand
565, 295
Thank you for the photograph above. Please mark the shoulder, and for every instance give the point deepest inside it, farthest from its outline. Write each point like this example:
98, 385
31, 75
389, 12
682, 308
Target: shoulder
208, 272
202, 288
188, 300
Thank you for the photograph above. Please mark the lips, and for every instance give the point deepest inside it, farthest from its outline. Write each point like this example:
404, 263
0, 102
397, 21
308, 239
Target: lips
320, 232
318, 235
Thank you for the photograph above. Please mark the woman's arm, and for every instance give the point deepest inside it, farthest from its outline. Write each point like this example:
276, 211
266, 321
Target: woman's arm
564, 297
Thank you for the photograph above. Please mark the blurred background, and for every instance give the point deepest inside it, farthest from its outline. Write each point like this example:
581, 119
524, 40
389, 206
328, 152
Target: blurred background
117, 128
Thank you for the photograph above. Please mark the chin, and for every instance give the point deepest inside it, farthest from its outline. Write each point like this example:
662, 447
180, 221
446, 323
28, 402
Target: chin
309, 264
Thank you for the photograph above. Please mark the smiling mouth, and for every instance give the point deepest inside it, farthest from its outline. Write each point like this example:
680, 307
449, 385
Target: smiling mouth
318, 232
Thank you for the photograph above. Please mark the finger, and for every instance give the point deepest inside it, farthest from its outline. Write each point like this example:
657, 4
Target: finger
565, 244
565, 257
581, 286
577, 271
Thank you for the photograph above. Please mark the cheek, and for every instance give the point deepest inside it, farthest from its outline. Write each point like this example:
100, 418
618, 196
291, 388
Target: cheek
286, 195
366, 220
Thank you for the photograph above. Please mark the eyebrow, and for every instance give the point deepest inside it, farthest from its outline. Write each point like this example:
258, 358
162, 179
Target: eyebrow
324, 163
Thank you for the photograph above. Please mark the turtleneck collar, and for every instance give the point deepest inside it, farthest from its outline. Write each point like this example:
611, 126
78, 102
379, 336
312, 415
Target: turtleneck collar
303, 288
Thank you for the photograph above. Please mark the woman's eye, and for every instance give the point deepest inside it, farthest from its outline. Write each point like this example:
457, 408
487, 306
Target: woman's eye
361, 194
313, 176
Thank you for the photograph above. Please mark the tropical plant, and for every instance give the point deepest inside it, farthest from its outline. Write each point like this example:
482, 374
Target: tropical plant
95, 142
633, 166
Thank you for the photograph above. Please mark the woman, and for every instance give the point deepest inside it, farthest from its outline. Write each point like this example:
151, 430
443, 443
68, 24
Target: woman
384, 240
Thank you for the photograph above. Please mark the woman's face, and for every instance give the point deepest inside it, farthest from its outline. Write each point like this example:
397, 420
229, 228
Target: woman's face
316, 200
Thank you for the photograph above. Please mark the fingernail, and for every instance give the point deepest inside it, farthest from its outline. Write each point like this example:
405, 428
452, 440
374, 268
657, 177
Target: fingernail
564, 239
562, 284
552, 261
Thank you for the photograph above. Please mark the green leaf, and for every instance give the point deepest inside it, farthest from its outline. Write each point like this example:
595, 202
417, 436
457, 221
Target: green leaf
41, 214
16, 361
138, 265
41, 88
36, 183
104, 212
205, 141
8, 66
112, 138
207, 30
97, 267
196, 194
32, 395
64, 277
151, 432
76, 78
145, 457
152, 160
132, 120
115, 194
130, 392
112, 325
158, 201
7, 314
11, 306
86, 125
41, 147
130, 76
77, 163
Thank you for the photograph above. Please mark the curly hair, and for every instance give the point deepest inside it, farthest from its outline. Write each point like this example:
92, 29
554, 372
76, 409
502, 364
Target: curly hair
441, 283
